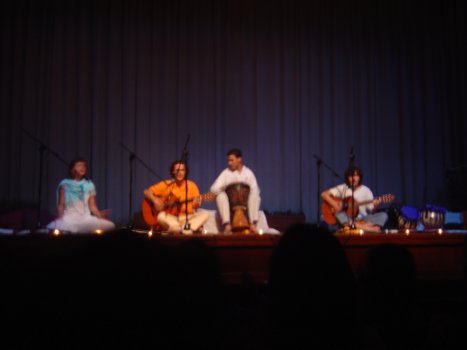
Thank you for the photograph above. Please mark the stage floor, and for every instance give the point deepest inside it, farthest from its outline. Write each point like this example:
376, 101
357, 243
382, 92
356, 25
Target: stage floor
437, 256
245, 257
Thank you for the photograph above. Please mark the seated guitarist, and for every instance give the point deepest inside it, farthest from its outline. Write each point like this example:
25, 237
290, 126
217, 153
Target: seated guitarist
366, 217
168, 198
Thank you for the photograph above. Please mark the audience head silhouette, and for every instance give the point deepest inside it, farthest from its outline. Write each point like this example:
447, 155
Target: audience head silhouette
312, 285
389, 285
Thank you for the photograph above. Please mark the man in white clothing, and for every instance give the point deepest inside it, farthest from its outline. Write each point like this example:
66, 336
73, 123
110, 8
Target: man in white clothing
367, 219
235, 173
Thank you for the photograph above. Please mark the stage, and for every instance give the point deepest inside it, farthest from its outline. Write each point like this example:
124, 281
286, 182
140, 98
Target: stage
245, 257
437, 256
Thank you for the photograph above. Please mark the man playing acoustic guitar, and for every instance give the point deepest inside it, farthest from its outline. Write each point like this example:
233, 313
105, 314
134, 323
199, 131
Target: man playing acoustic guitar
168, 199
337, 201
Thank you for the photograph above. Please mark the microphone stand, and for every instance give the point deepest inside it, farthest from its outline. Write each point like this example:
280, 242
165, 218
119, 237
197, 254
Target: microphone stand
320, 162
132, 157
352, 189
42, 148
184, 159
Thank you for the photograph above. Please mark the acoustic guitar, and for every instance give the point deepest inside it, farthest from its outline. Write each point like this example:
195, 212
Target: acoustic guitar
150, 213
329, 214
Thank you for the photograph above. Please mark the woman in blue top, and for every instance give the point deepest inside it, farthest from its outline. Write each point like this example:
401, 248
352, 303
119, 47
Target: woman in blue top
76, 201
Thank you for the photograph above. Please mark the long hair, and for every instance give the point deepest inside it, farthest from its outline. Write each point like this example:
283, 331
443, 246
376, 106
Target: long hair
350, 171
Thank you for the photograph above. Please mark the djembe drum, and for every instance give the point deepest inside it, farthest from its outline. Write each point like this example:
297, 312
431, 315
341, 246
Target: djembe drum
238, 194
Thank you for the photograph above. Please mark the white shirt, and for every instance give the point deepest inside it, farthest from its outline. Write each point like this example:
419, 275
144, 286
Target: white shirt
361, 194
228, 177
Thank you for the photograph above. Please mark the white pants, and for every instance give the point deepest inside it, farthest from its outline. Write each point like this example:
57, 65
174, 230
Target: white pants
176, 223
79, 223
223, 206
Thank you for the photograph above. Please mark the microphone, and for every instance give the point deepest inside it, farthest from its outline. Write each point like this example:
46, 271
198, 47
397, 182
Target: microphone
185, 151
186, 142
351, 155
352, 188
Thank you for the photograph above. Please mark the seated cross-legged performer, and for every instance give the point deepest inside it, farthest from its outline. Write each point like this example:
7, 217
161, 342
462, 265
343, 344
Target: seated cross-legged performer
169, 200
236, 172
367, 219
77, 211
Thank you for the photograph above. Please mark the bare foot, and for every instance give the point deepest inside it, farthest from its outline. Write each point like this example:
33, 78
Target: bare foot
253, 228
366, 226
199, 230
227, 228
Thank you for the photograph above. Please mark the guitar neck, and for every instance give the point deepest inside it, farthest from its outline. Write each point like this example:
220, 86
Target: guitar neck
366, 202
372, 200
176, 203
205, 197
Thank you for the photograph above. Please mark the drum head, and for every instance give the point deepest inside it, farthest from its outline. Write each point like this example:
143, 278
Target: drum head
237, 187
410, 213
408, 217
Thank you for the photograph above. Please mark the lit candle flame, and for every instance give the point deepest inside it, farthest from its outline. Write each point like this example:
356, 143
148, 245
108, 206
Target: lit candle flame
56, 232
260, 231
98, 232
440, 231
361, 232
407, 231
150, 233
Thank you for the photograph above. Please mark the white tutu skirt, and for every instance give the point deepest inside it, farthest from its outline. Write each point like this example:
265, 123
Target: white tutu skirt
80, 223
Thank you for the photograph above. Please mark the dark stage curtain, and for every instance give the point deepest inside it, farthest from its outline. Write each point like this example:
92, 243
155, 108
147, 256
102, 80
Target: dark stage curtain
282, 80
